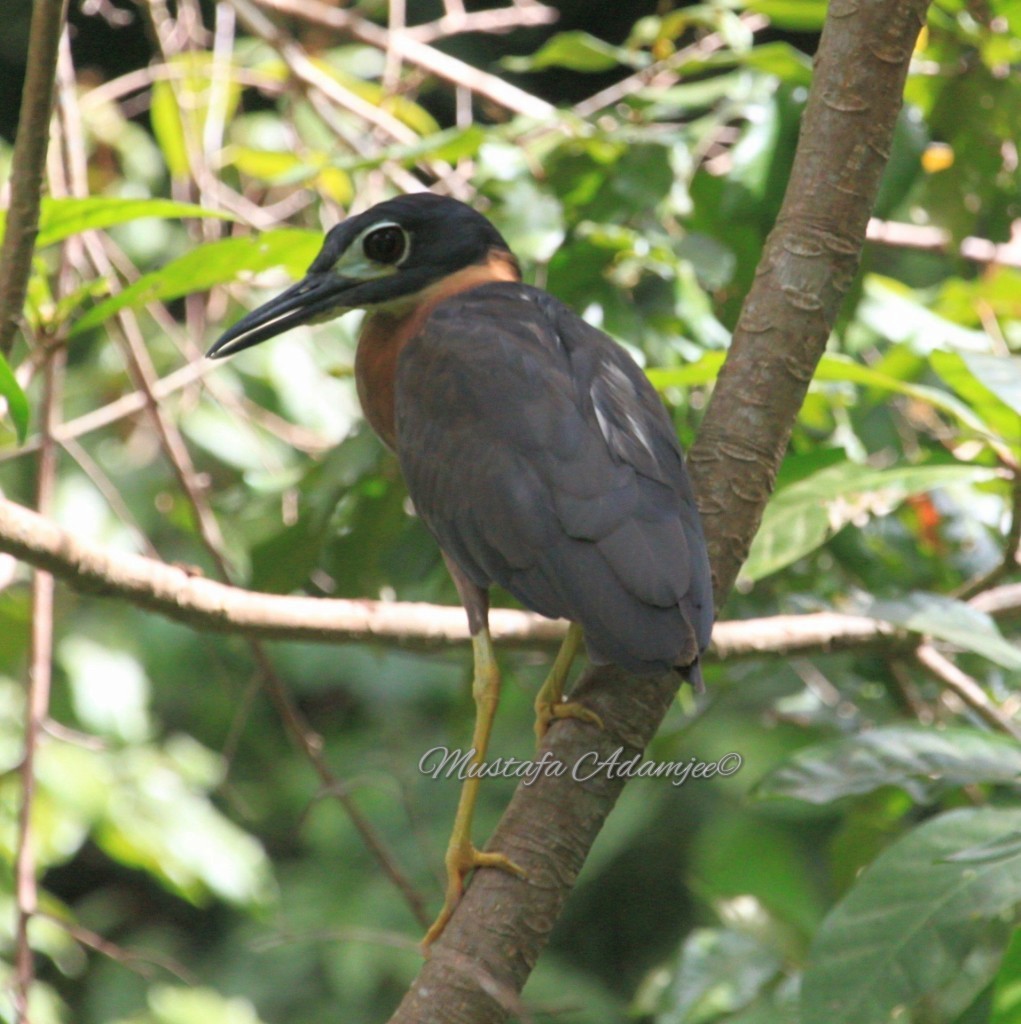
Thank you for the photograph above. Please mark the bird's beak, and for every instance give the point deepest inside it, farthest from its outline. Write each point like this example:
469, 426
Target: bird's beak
316, 297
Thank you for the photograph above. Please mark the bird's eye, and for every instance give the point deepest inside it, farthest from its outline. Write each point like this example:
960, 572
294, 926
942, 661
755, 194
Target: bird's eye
385, 245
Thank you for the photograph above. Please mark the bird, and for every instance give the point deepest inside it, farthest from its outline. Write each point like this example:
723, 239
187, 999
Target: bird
534, 449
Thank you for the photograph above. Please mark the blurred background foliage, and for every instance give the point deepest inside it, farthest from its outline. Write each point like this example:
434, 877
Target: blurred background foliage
867, 853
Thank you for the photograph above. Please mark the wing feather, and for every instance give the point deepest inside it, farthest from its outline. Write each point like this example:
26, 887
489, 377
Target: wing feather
541, 459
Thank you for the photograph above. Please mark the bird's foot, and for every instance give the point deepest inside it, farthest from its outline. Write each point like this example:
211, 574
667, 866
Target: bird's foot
547, 712
461, 859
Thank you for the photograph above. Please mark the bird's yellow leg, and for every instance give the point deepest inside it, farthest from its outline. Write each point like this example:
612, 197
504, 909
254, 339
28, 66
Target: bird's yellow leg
462, 856
549, 702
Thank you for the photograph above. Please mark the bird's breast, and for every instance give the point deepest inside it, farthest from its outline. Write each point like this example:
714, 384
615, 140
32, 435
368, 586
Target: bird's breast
387, 329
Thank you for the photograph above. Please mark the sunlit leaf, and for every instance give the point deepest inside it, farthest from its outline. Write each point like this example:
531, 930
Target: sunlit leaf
169, 1004
209, 265
805, 515
794, 15
17, 401
922, 761
578, 51
914, 922
168, 127
62, 218
990, 384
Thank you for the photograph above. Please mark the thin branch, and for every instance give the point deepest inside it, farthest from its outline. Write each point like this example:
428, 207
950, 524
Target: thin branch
709, 44
492, 88
37, 709
960, 683
28, 165
1011, 550
933, 239
501, 19
307, 72
138, 961
311, 744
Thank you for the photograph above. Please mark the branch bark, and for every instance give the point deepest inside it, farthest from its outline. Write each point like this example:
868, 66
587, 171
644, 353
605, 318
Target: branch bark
216, 607
29, 163
483, 959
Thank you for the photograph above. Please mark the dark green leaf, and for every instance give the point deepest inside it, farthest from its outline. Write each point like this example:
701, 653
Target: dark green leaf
923, 762
913, 922
577, 51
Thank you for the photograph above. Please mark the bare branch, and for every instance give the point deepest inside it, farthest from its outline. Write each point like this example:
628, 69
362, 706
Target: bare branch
933, 239
442, 65
216, 607
960, 683
28, 165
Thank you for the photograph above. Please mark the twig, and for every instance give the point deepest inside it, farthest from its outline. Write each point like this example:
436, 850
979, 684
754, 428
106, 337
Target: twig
966, 688
28, 164
501, 19
38, 697
305, 71
1011, 550
932, 239
434, 61
127, 405
311, 743
640, 79
138, 961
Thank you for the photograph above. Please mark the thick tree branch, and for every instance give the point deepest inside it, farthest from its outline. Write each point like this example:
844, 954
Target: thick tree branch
496, 934
28, 165
216, 607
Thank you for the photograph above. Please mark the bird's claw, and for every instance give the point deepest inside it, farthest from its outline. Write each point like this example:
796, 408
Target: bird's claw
547, 712
460, 861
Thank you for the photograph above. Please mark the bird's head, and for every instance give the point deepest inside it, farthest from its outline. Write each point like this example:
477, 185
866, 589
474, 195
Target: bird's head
385, 256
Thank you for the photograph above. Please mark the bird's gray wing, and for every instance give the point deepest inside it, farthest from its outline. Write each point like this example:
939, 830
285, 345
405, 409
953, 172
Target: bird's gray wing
541, 459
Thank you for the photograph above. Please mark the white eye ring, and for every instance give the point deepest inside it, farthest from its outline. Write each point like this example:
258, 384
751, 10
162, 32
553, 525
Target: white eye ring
386, 243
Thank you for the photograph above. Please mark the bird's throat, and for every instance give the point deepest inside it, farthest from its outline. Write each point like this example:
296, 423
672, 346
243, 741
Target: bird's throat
387, 329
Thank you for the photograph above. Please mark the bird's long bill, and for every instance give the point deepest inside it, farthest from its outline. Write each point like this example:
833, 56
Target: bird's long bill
314, 296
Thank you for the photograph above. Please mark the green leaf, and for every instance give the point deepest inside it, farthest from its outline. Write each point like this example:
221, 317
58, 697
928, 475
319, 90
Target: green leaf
168, 128
794, 15
702, 371
283, 561
955, 622
718, 972
577, 51
170, 1004
212, 264
1007, 992
991, 385
62, 218
925, 763
802, 517
913, 920
17, 401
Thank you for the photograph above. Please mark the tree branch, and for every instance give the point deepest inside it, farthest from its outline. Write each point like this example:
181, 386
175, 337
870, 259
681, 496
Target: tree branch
28, 165
216, 607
